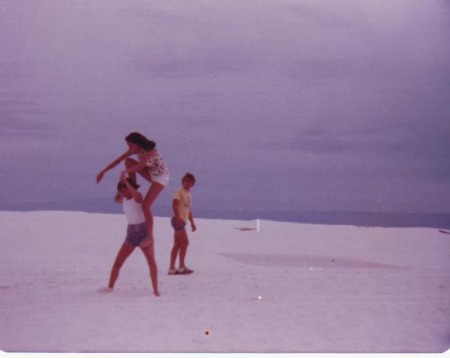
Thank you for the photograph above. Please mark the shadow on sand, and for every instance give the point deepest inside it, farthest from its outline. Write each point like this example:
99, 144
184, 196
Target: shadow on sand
279, 260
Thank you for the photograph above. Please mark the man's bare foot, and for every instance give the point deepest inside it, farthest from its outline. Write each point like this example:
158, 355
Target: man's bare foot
105, 289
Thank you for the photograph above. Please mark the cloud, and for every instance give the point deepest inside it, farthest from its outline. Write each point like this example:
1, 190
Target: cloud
308, 97
21, 116
177, 68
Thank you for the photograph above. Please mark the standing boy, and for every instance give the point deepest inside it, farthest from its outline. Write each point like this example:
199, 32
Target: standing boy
181, 214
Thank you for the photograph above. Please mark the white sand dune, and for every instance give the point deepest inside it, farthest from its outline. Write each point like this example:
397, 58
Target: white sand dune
290, 287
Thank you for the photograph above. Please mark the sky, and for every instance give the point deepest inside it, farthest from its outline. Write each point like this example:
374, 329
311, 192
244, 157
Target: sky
274, 105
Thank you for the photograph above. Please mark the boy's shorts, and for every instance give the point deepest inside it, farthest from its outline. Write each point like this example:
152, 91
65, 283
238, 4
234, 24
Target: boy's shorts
136, 234
177, 227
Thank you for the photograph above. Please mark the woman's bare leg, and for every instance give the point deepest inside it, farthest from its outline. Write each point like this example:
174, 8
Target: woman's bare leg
174, 251
149, 254
153, 192
130, 162
184, 242
122, 255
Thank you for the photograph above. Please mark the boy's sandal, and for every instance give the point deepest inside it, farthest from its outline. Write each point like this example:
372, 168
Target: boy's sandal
184, 271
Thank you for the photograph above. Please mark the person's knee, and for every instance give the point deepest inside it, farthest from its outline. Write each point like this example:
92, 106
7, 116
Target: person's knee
184, 242
130, 162
153, 193
149, 252
147, 205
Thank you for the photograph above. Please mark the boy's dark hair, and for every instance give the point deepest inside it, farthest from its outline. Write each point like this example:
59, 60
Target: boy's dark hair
140, 140
188, 176
121, 185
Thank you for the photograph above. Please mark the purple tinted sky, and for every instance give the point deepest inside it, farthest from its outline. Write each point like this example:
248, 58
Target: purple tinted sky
274, 105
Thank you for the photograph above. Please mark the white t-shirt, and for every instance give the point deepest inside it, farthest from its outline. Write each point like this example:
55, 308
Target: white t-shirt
133, 211
184, 203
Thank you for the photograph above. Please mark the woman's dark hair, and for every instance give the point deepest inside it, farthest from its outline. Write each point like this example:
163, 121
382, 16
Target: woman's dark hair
140, 140
121, 185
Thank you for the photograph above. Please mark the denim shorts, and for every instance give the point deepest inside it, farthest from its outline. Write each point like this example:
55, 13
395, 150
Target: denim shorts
177, 227
136, 234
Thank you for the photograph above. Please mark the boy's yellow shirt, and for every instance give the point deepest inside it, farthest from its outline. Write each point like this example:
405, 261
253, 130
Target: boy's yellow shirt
184, 203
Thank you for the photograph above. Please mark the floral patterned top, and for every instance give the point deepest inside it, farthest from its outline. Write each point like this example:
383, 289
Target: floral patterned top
155, 164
